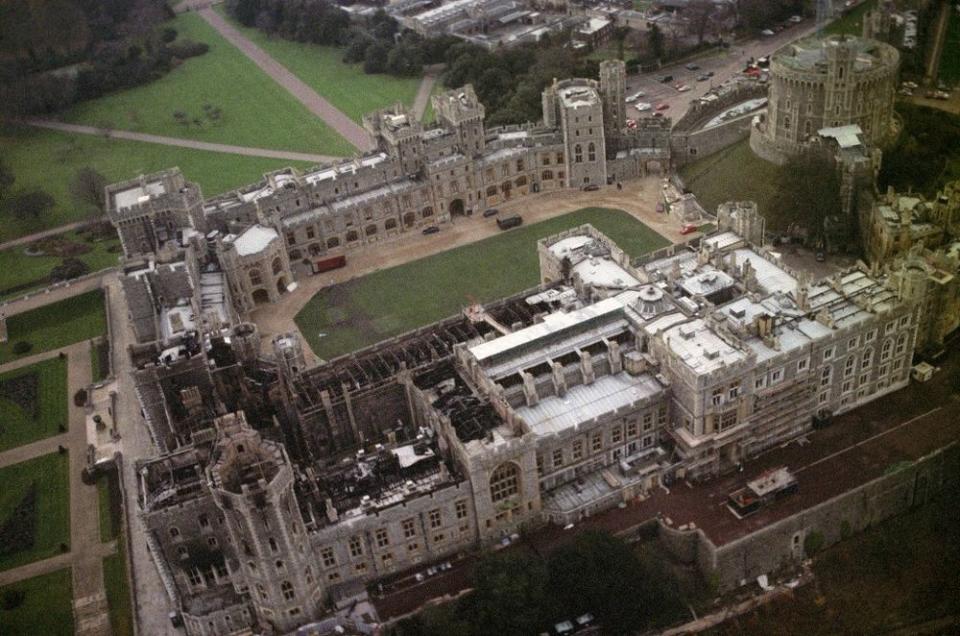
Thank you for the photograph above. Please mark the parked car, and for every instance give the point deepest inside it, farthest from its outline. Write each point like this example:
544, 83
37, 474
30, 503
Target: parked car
593, 187
688, 228
703, 78
796, 19
643, 106
663, 106
431, 229
490, 212
692, 67
766, 33
666, 79
820, 256
509, 222
635, 96
682, 88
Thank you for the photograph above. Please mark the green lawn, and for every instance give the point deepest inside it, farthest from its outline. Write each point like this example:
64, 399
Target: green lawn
733, 174
852, 23
256, 110
56, 325
48, 476
118, 594
345, 86
33, 403
100, 359
950, 56
21, 273
49, 160
108, 493
46, 607
385, 303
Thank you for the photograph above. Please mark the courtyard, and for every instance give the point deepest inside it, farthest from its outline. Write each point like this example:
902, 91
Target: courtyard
363, 311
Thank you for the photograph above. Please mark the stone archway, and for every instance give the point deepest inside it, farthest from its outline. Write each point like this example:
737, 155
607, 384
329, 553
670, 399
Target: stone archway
261, 297
282, 285
457, 208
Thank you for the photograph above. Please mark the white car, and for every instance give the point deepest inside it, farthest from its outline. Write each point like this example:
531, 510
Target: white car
796, 19
683, 88
766, 33
635, 96
643, 106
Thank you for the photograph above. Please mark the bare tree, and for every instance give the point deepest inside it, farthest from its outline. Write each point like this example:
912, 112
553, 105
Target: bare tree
700, 13
88, 187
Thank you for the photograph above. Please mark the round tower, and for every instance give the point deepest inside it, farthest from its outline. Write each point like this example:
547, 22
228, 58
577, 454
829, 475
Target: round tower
245, 341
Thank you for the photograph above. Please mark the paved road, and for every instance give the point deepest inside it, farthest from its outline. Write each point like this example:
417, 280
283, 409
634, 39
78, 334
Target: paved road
423, 94
723, 64
36, 236
150, 597
13, 307
52, 564
317, 105
939, 39
638, 197
182, 143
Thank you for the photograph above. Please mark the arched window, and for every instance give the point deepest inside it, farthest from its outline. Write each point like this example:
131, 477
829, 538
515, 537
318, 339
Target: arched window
786, 122
352, 236
521, 181
287, 588
332, 242
409, 218
277, 265
174, 532
255, 276
297, 254
591, 152
547, 175
578, 154
427, 211
504, 481
390, 224
261, 591
491, 191
273, 545
371, 230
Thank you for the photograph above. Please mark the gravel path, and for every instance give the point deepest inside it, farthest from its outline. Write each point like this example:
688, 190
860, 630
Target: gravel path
317, 105
183, 143
423, 95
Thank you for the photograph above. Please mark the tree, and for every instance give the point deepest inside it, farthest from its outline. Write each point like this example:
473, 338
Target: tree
88, 187
68, 269
7, 178
700, 14
375, 59
655, 36
509, 596
30, 205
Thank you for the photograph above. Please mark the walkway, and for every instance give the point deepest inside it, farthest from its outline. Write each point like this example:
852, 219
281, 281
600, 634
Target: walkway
638, 198
182, 143
423, 94
36, 236
317, 105
86, 554
39, 299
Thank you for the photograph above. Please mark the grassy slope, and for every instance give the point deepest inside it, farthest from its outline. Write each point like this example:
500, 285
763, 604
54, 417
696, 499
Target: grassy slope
385, 303
950, 56
118, 595
18, 427
734, 173
256, 110
50, 160
852, 23
345, 86
50, 473
46, 608
17, 268
45, 327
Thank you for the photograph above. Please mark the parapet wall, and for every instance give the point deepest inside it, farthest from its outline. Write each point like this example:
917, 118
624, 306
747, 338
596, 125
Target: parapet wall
687, 147
773, 547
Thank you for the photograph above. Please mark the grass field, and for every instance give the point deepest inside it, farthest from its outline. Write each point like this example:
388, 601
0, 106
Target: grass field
23, 421
100, 359
49, 160
950, 56
256, 110
322, 68
46, 608
361, 312
118, 595
56, 325
108, 498
21, 273
852, 23
733, 174
48, 475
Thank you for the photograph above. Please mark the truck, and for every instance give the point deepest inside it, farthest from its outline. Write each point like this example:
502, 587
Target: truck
509, 222
329, 263
766, 488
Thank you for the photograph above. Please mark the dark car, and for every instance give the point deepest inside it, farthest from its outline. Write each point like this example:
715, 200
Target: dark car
692, 67
820, 256
509, 222
593, 187
433, 229
666, 79
490, 212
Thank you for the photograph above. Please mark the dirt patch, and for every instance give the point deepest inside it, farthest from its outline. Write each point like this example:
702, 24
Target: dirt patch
57, 246
24, 391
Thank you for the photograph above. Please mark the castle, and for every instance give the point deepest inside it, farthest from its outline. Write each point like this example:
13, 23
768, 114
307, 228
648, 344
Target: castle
269, 234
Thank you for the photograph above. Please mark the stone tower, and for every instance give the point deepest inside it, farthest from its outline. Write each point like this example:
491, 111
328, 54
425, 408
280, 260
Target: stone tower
398, 133
581, 121
245, 342
613, 85
252, 483
839, 84
460, 112
288, 351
